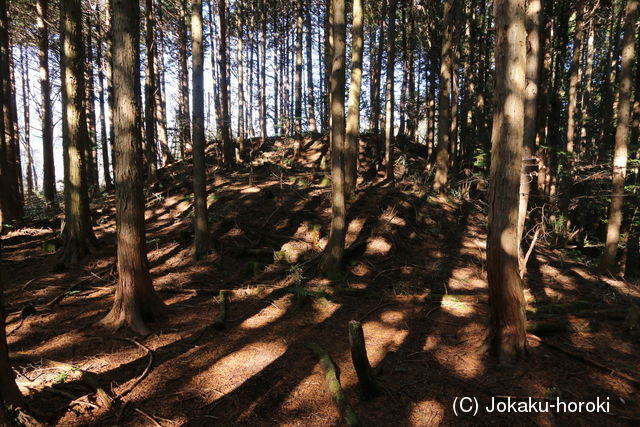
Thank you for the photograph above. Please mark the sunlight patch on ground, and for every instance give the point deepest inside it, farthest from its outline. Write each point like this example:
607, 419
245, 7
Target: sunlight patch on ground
354, 229
622, 287
457, 308
381, 338
268, 314
427, 413
233, 370
250, 190
377, 246
325, 310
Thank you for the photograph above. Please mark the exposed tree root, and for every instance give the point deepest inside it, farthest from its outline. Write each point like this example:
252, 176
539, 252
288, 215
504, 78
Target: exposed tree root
144, 373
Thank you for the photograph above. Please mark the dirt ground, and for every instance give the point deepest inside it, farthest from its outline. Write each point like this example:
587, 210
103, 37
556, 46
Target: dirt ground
416, 278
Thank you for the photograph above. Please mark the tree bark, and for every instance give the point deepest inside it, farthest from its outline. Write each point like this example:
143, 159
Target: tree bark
159, 101
26, 92
101, 100
586, 145
135, 302
331, 263
608, 261
150, 88
200, 220
389, 96
90, 106
241, 131
444, 103
353, 110
263, 73
298, 76
507, 329
533, 18
227, 145
313, 127
78, 234
376, 75
184, 124
10, 197
48, 165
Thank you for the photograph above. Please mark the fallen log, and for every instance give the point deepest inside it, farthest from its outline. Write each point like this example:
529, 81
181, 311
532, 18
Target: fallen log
332, 377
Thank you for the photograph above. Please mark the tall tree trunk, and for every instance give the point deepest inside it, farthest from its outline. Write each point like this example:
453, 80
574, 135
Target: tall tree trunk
444, 103
328, 57
608, 83
331, 263
313, 127
109, 74
507, 321
48, 165
135, 302
241, 131
227, 145
184, 124
544, 98
26, 92
404, 86
608, 261
467, 139
101, 100
533, 20
213, 36
389, 96
250, 103
585, 127
572, 146
411, 107
10, 196
200, 224
353, 113
78, 234
90, 106
298, 77
574, 80
159, 103
150, 88
263, 73
376, 75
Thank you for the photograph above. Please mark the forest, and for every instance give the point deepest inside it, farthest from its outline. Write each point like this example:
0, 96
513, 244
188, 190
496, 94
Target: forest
319, 212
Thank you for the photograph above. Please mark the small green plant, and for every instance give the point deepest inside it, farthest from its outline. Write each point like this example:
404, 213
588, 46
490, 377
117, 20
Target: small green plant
297, 272
280, 256
61, 378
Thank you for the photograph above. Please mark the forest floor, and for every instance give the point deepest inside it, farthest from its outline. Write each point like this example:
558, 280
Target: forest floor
416, 278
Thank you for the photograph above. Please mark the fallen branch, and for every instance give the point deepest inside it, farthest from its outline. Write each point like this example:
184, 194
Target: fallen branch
147, 368
523, 267
73, 287
74, 400
89, 378
332, 377
147, 416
